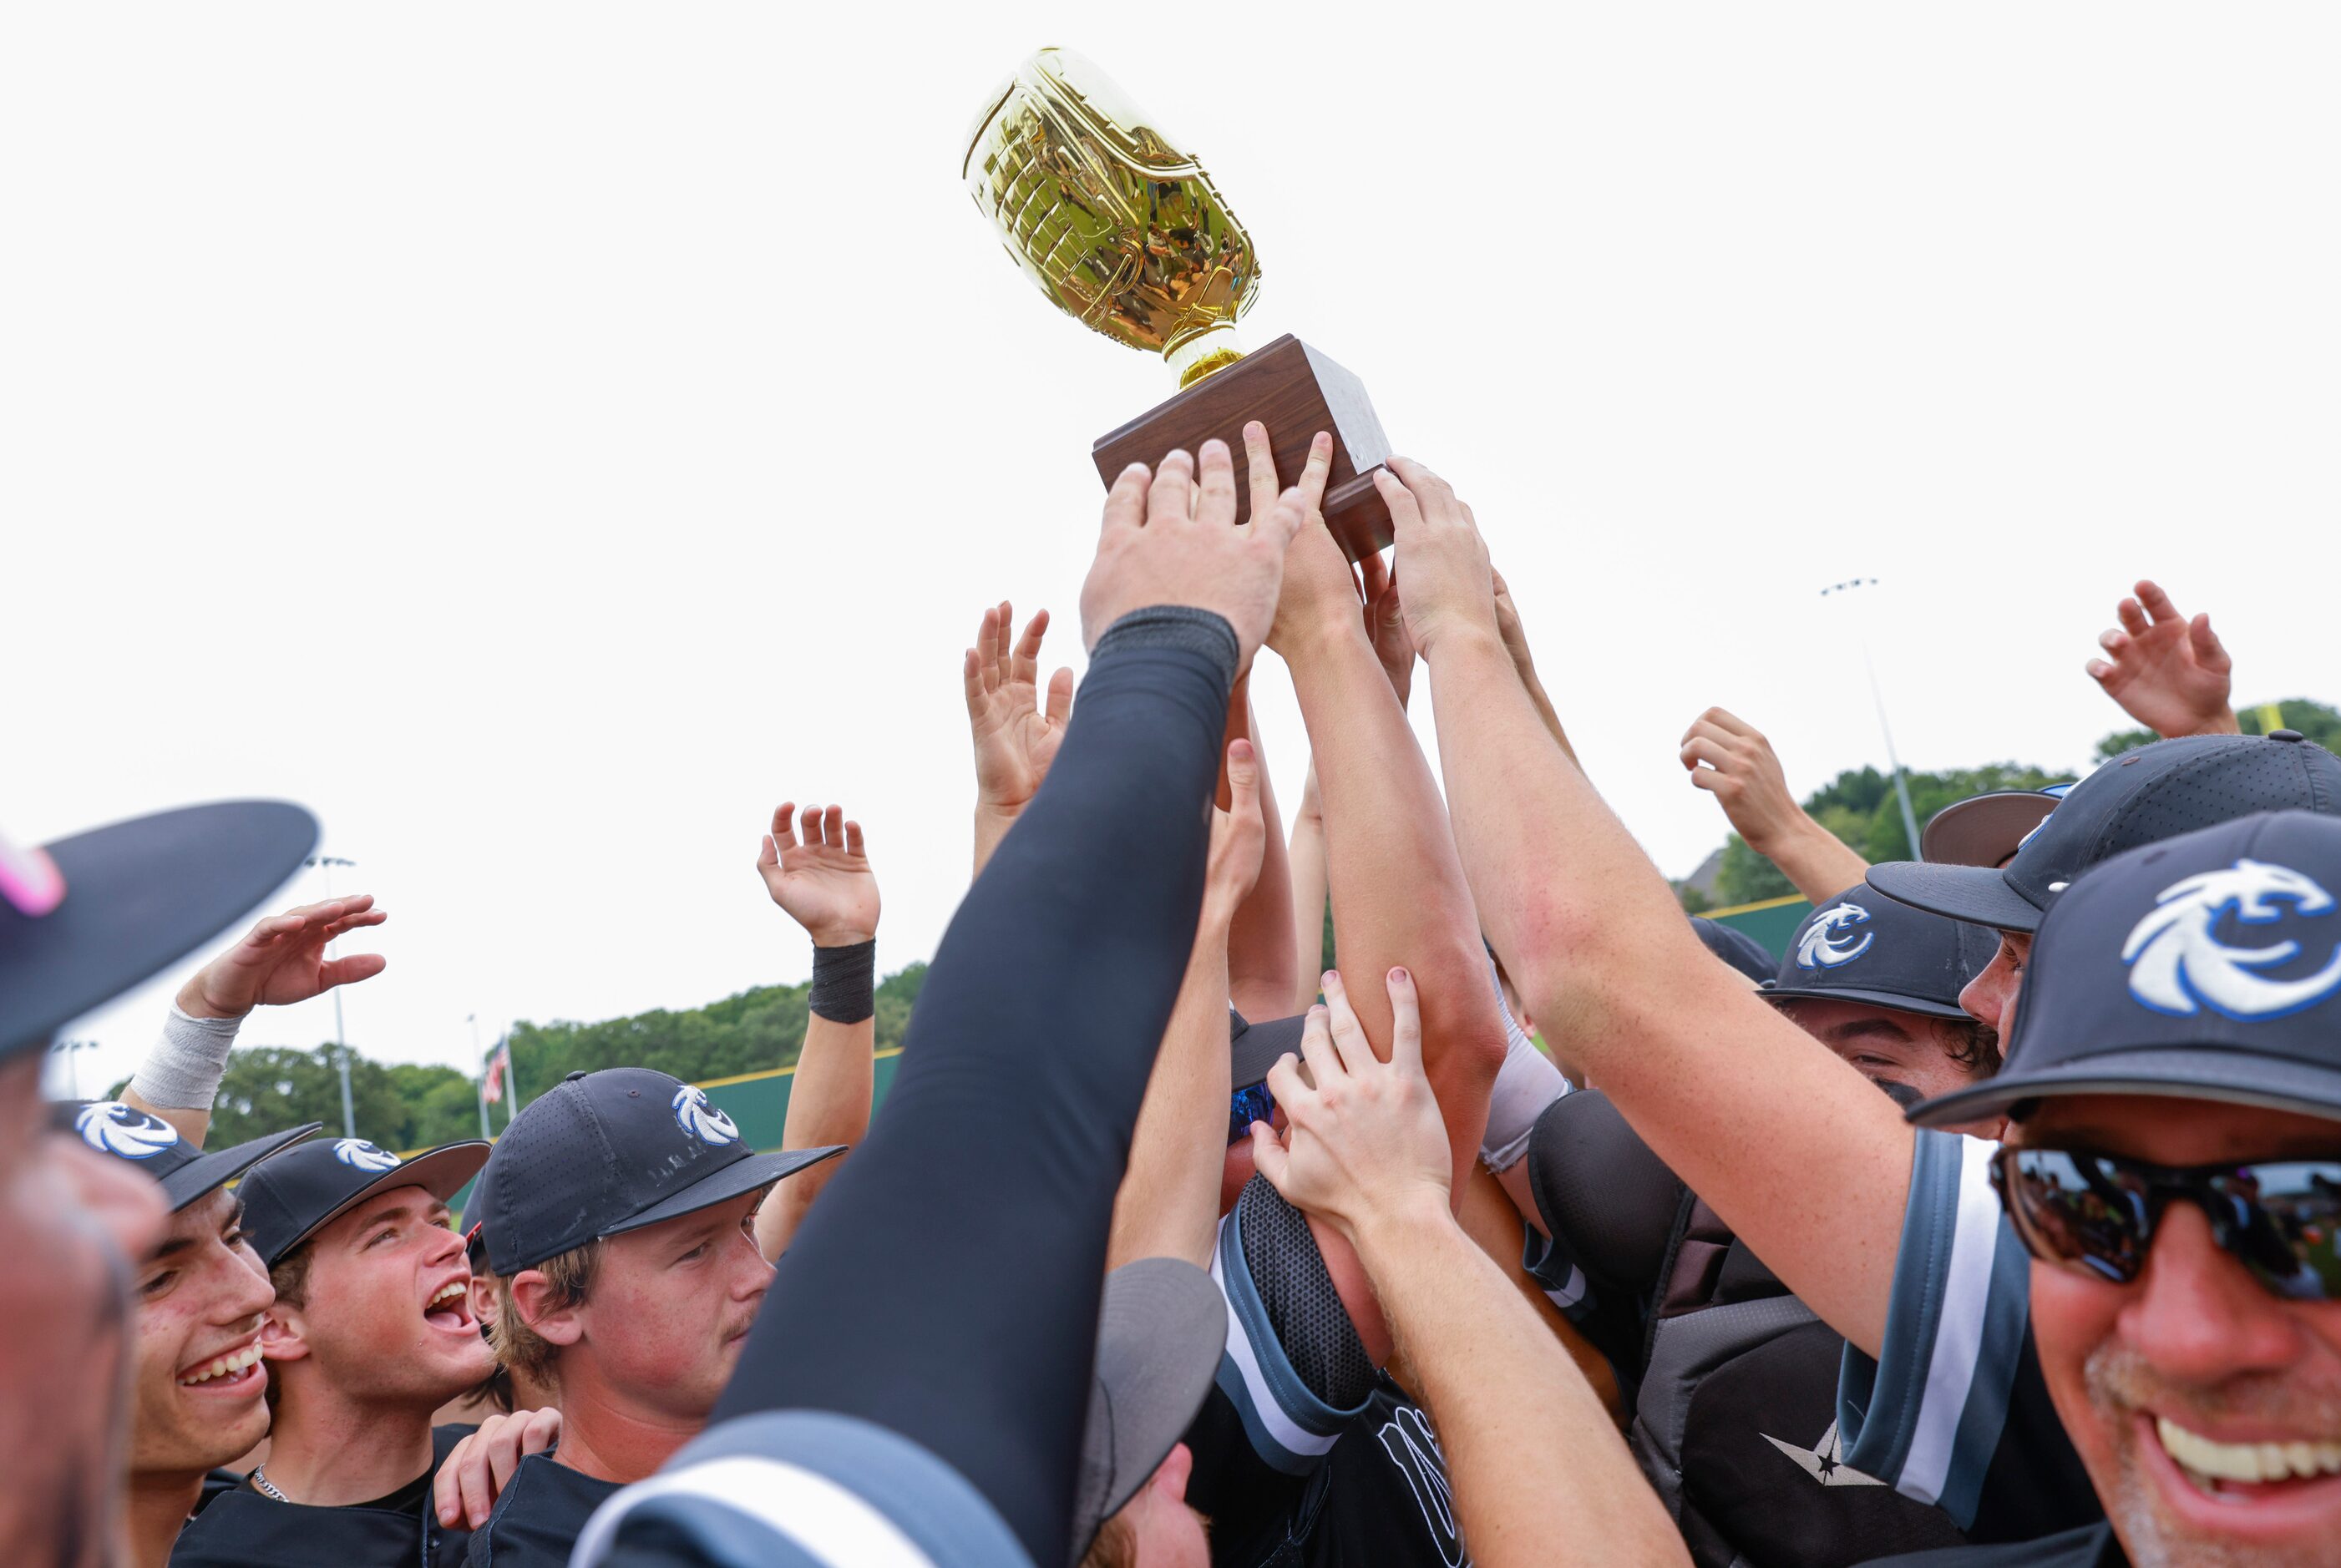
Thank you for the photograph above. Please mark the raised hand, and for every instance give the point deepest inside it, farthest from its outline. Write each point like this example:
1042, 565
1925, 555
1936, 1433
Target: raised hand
476, 1469
1450, 585
824, 882
1318, 593
1170, 537
1508, 627
1363, 1137
1239, 839
2170, 673
282, 960
1385, 624
1016, 734
1730, 758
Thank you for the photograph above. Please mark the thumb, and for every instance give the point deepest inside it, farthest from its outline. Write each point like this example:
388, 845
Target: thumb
1270, 1158
769, 855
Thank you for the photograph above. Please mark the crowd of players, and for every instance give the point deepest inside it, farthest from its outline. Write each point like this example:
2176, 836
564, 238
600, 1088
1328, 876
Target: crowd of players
1166, 1249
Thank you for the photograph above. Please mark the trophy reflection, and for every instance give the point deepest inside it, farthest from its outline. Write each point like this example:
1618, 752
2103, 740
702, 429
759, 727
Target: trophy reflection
1127, 235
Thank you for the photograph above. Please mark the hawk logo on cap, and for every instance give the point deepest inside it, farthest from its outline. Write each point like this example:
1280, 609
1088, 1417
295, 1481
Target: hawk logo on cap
694, 1114
363, 1156
2178, 966
1828, 940
111, 1128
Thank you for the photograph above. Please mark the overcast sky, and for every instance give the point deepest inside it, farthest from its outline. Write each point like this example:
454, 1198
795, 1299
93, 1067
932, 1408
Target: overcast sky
540, 438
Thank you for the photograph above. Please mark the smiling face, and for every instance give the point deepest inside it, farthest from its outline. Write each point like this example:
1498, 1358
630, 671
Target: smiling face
200, 1381
385, 1311
669, 1308
2180, 1384
69, 1218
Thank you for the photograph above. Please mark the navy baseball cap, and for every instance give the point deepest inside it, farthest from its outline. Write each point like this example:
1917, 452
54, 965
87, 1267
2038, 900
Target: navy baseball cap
1986, 830
1162, 1327
601, 1153
1253, 1049
154, 1146
1861, 948
2207, 966
1735, 947
2142, 797
85, 918
473, 1222
291, 1197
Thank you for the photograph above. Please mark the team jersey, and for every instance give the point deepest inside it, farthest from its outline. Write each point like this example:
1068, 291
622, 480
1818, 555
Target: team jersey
538, 1515
238, 1526
1304, 1453
1954, 1411
2090, 1546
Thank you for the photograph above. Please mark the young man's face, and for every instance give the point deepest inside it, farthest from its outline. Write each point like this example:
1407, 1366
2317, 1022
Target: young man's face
1990, 998
672, 1304
385, 1311
201, 1295
69, 1219
1888, 1045
2197, 1343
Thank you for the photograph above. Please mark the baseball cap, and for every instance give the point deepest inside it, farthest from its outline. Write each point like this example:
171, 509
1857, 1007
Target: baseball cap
1861, 948
1985, 829
1162, 1326
2155, 792
1735, 947
154, 1146
2205, 967
601, 1153
1253, 1049
86, 918
473, 1222
289, 1198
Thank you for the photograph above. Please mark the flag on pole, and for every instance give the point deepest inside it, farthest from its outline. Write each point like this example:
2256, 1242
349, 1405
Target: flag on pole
492, 1087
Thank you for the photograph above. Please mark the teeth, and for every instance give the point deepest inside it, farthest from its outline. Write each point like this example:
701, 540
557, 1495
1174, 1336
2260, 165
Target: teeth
2245, 1461
453, 1291
220, 1366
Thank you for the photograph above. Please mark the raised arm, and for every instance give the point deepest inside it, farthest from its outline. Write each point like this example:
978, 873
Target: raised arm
280, 961
1307, 859
1526, 1440
823, 882
1263, 961
1168, 1204
1797, 1153
1016, 731
1515, 643
1730, 759
2170, 673
945, 1290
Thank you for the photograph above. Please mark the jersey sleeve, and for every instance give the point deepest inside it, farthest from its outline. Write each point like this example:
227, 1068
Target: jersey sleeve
1928, 1416
799, 1489
1293, 1368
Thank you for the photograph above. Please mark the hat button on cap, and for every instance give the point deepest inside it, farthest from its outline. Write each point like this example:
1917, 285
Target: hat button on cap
2286, 735
572, 1078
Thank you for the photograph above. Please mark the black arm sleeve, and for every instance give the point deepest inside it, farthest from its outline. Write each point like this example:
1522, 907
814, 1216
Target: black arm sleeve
946, 1285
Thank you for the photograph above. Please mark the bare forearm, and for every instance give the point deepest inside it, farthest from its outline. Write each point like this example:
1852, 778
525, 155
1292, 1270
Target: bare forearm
1263, 962
990, 827
1737, 1100
1168, 1205
1526, 1440
1820, 864
1394, 874
1308, 858
829, 1103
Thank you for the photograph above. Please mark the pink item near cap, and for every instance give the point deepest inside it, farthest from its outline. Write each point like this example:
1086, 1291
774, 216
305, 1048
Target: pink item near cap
29, 879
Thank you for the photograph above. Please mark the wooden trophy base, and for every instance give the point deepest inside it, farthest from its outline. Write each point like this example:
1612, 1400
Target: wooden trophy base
1296, 392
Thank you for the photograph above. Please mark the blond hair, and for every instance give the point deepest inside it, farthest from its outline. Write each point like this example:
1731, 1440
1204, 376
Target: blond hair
521, 1351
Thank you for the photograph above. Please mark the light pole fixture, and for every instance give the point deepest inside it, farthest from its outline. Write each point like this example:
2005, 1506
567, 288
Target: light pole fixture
1901, 785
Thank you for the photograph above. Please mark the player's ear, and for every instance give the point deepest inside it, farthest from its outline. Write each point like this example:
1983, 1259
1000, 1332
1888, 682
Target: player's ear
1171, 1477
284, 1333
533, 1297
483, 1298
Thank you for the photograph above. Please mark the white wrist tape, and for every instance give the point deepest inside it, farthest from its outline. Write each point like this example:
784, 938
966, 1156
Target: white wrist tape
1525, 1084
182, 1072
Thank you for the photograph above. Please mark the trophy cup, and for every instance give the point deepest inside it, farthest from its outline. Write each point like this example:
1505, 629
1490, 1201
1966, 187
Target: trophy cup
1125, 234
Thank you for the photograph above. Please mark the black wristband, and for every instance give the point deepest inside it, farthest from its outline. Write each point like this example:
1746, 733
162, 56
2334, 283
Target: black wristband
845, 981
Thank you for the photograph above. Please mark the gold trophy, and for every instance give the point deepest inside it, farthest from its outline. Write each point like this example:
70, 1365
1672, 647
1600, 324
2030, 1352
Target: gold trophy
1127, 235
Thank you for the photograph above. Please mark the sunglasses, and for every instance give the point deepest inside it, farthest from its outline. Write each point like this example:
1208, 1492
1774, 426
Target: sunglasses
1250, 1103
2096, 1214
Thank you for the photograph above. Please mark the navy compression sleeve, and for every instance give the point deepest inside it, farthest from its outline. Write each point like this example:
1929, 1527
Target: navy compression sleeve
946, 1285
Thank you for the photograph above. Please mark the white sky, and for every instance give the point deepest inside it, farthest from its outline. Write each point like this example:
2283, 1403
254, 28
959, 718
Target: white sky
539, 438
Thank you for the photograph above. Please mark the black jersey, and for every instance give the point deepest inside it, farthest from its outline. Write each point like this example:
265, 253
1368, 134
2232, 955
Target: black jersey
238, 1526
538, 1515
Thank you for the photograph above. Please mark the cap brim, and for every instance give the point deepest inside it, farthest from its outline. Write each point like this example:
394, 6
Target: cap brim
1983, 830
1979, 894
140, 896
2221, 1074
718, 1186
1162, 1327
1251, 1053
441, 1173
208, 1173
1887, 1000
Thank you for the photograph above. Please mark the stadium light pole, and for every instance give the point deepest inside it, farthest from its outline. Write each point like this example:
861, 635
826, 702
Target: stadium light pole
1861, 635
326, 863
474, 1019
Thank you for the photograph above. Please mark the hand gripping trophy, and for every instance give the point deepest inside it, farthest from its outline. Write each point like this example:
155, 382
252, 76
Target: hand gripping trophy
1126, 234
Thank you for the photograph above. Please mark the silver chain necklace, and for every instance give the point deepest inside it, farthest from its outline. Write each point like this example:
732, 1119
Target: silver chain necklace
266, 1487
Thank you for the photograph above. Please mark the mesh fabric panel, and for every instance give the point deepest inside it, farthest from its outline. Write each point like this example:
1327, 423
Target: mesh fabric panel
1303, 1309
